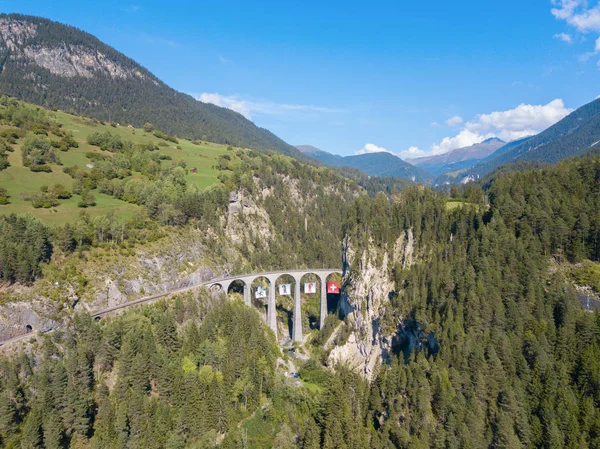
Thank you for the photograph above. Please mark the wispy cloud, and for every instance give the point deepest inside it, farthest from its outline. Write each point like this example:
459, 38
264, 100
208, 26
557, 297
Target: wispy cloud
564, 37
583, 18
133, 8
249, 108
454, 121
578, 14
156, 40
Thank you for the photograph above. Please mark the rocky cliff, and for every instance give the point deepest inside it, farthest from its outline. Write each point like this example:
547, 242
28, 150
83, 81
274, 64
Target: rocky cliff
109, 276
368, 290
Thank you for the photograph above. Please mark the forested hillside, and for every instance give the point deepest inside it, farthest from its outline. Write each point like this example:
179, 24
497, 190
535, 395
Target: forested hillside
514, 362
507, 357
58, 66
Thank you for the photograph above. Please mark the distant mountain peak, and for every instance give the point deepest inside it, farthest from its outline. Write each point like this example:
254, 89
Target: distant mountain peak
374, 164
493, 139
574, 135
459, 157
309, 149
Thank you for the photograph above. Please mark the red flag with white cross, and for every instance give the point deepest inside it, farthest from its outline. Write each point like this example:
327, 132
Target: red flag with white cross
333, 287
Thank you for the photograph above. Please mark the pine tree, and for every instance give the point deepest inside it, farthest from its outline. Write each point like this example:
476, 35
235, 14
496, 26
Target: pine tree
32, 436
312, 437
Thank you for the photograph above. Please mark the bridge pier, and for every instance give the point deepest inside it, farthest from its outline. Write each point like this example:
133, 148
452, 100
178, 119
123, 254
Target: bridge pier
272, 307
247, 294
297, 321
323, 311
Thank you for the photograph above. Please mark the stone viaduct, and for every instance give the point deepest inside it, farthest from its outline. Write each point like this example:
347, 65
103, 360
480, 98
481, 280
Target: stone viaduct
272, 277
224, 284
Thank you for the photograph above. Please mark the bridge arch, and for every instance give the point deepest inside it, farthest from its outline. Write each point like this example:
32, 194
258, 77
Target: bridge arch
291, 295
236, 286
322, 277
269, 302
310, 292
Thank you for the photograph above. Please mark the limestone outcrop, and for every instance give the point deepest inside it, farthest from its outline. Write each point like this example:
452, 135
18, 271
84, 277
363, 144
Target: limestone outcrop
368, 289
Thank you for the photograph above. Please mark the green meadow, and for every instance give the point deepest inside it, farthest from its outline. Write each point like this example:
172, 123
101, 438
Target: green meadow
19, 180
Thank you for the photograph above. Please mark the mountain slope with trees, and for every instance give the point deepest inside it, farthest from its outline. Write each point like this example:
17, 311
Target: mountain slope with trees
381, 164
59, 66
574, 135
504, 357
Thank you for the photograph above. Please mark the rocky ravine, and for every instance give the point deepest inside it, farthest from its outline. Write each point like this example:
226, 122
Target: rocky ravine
368, 291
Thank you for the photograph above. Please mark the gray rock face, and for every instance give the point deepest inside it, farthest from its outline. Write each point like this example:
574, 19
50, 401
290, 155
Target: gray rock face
63, 60
70, 61
20, 317
15, 32
367, 296
246, 219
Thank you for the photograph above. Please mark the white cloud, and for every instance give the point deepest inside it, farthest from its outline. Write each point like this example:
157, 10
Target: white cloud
250, 108
582, 17
371, 148
565, 9
578, 14
228, 102
522, 121
564, 37
454, 121
465, 138
412, 153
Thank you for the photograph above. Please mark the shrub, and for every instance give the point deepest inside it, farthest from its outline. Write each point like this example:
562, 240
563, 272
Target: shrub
164, 136
3, 196
87, 199
59, 191
43, 200
41, 168
37, 152
106, 141
96, 156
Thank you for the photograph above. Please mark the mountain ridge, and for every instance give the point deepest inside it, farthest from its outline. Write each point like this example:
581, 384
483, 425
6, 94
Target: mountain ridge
37, 55
574, 135
457, 158
381, 164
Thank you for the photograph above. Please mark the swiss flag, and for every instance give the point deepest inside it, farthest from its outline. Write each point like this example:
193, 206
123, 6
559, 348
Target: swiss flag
333, 287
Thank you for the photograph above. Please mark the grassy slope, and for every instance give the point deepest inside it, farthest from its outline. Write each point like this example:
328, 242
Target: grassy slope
18, 179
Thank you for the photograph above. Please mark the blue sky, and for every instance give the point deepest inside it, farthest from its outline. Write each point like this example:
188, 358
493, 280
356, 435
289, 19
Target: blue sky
410, 78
